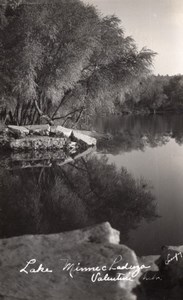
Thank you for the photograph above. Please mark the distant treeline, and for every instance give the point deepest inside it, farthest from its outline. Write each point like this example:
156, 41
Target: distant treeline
155, 94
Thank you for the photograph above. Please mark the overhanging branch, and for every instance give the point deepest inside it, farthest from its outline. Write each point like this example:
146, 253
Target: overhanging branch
70, 113
42, 115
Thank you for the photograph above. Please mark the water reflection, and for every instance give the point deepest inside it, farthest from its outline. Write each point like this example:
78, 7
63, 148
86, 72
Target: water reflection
151, 147
138, 132
47, 196
78, 194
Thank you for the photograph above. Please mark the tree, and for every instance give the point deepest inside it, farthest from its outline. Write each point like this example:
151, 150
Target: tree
174, 91
63, 60
152, 93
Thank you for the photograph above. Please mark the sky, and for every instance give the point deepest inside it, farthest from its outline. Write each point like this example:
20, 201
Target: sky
156, 24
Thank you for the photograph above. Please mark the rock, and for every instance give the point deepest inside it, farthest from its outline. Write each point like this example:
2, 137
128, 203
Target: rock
54, 131
59, 129
4, 142
37, 137
171, 263
42, 130
161, 281
151, 278
150, 260
90, 141
72, 147
18, 131
37, 143
85, 248
38, 155
102, 233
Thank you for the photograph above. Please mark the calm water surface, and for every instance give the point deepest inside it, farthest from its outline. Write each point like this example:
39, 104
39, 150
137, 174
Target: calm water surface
155, 153
134, 180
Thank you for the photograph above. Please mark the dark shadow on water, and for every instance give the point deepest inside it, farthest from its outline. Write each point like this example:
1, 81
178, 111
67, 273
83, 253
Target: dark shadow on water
78, 194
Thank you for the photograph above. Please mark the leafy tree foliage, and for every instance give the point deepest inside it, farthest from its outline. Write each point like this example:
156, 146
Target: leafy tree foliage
154, 94
174, 91
62, 59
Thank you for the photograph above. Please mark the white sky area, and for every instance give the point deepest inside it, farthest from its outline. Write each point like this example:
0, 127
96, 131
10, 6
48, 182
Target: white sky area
156, 24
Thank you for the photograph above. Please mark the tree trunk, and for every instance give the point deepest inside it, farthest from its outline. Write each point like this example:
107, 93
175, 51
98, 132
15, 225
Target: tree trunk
42, 115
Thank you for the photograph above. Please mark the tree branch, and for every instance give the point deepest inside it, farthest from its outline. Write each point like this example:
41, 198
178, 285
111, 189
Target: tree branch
79, 117
70, 113
61, 102
42, 115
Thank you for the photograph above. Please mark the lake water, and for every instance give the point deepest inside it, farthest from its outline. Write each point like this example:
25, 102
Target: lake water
134, 180
155, 153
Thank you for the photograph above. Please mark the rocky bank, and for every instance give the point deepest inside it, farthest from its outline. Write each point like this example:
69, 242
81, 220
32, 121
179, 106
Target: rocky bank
65, 266
43, 145
44, 137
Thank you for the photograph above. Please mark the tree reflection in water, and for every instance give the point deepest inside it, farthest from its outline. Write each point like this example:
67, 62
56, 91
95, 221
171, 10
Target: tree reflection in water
76, 195
130, 133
